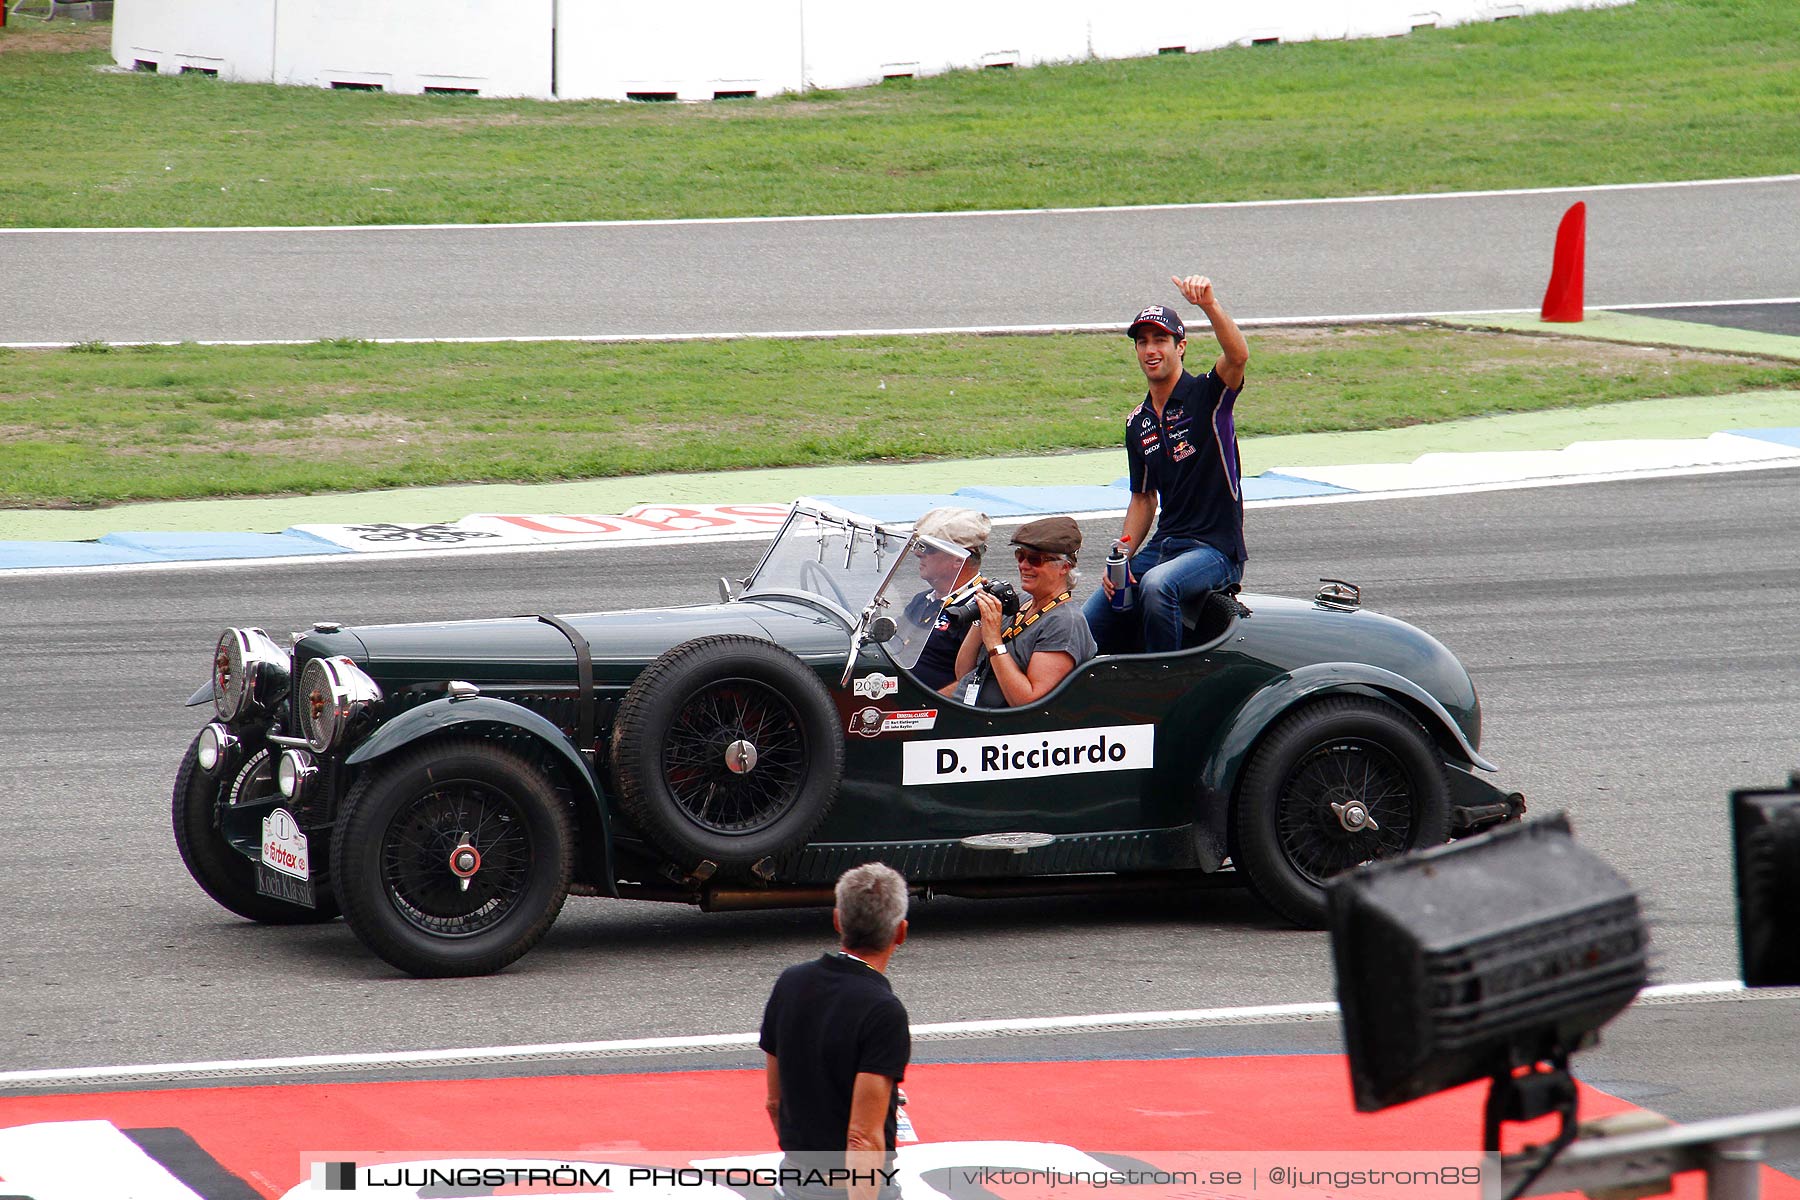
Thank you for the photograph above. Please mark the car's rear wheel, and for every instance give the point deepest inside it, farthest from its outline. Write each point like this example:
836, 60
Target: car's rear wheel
727, 749
1343, 781
222, 871
454, 859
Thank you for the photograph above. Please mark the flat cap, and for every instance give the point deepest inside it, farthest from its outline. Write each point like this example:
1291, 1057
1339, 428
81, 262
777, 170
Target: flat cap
1053, 535
959, 526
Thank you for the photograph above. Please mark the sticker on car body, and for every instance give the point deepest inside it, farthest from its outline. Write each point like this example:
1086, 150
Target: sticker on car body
284, 846
874, 687
284, 869
871, 721
1025, 755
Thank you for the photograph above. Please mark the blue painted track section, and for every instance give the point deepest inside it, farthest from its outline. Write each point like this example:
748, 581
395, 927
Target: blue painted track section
124, 548
1035, 501
198, 547
1784, 437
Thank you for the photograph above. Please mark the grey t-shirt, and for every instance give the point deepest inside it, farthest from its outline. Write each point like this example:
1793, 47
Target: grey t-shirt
1061, 628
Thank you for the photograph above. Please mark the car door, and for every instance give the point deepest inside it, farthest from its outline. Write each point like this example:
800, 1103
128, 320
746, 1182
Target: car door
1098, 764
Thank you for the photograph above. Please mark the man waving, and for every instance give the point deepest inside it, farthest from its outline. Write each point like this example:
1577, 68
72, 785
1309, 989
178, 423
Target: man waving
1181, 443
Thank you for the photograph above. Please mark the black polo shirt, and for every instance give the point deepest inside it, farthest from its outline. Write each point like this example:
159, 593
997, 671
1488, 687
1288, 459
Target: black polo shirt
937, 660
826, 1022
1189, 458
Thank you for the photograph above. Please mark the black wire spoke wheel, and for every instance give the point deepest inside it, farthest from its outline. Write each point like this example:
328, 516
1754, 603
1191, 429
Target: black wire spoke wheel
418, 856
453, 857
1341, 781
735, 756
726, 749
1345, 804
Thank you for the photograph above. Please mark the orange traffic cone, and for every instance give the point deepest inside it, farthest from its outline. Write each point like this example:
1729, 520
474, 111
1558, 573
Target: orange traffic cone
1562, 299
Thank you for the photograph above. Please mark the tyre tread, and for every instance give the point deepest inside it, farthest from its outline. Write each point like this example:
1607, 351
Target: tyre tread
367, 909
1270, 876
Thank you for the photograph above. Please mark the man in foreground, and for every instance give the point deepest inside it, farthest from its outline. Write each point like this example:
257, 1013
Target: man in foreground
837, 1043
1181, 444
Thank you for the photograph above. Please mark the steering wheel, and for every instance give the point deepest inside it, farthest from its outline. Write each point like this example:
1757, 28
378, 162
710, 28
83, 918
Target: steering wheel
815, 578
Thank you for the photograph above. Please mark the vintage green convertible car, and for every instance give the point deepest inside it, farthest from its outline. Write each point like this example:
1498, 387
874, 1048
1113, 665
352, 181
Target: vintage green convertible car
446, 786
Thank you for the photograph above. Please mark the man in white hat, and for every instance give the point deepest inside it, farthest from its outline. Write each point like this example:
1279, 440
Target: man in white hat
944, 573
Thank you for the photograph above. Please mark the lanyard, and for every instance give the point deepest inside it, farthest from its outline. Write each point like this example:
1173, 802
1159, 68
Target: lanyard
1020, 620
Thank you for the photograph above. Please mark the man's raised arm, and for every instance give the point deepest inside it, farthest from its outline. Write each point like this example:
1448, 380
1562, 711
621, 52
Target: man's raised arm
1234, 351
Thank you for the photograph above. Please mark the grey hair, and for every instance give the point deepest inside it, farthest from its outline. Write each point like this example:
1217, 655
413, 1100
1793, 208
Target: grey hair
871, 903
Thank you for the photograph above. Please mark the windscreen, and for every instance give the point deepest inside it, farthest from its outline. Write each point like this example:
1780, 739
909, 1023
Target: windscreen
913, 595
860, 566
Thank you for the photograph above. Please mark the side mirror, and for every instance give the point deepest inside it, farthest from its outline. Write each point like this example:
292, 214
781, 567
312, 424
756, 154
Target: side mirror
882, 629
725, 591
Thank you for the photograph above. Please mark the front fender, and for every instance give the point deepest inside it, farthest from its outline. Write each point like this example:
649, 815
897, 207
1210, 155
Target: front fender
205, 695
1219, 773
437, 716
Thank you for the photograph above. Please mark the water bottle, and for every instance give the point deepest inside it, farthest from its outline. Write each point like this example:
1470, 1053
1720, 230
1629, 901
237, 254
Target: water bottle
1118, 569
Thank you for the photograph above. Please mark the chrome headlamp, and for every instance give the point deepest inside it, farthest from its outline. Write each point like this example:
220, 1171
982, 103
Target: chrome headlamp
333, 692
215, 743
249, 673
292, 772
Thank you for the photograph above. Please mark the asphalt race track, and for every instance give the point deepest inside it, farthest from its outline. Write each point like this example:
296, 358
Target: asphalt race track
1633, 642
1647, 244
1763, 318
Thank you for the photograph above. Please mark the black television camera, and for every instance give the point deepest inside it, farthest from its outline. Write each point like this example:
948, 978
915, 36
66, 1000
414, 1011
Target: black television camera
959, 605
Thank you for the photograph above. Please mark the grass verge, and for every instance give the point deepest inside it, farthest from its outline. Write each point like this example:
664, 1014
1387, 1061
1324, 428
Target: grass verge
1657, 89
96, 424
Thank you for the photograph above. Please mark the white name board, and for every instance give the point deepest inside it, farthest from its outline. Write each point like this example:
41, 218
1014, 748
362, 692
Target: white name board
1022, 756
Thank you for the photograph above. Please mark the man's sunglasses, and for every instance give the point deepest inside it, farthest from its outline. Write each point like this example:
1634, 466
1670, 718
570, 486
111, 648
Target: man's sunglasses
1036, 558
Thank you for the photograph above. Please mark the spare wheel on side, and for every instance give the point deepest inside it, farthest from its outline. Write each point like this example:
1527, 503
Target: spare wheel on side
727, 749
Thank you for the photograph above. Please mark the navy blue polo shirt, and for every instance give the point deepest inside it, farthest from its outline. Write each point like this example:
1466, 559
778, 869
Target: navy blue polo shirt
1189, 458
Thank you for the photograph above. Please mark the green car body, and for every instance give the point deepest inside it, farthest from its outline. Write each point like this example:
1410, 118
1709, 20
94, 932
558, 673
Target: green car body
1132, 772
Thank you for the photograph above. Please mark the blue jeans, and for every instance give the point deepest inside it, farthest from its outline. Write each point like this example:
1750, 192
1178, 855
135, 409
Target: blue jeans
1167, 570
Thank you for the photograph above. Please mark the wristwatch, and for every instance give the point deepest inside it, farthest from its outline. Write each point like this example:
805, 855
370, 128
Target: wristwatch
997, 651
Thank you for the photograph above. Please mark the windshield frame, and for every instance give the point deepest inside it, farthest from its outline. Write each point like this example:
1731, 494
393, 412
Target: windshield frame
871, 622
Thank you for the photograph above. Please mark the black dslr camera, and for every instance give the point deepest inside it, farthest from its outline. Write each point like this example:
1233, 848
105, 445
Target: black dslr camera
959, 606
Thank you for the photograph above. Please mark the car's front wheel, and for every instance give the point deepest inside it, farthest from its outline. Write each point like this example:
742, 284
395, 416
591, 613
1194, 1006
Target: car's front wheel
453, 859
198, 809
1342, 781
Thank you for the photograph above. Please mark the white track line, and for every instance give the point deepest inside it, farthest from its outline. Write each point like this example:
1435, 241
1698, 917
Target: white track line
1270, 1013
969, 214
729, 335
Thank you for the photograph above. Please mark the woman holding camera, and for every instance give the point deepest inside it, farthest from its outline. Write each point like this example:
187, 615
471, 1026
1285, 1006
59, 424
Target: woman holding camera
1005, 662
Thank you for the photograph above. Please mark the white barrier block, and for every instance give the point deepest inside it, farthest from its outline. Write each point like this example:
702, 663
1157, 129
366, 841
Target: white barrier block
708, 49
492, 47
237, 39
1391, 18
610, 50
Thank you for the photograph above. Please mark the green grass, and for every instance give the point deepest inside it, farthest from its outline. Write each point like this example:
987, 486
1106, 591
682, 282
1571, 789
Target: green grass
96, 424
1659, 89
